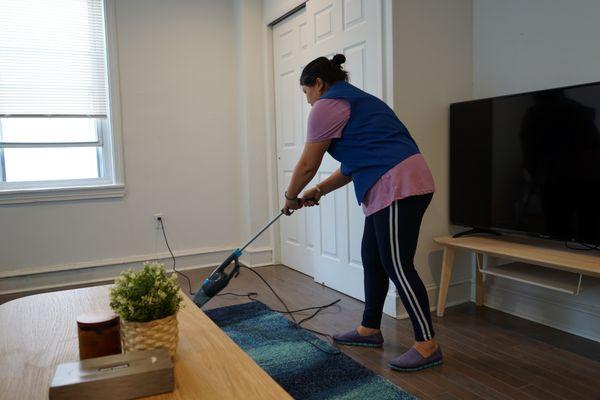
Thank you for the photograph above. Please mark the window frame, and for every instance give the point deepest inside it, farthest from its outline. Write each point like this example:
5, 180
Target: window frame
111, 181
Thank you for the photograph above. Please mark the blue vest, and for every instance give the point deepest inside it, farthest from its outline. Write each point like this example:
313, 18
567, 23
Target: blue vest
373, 141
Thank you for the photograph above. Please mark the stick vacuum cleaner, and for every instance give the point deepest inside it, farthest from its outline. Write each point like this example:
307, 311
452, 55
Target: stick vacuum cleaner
218, 279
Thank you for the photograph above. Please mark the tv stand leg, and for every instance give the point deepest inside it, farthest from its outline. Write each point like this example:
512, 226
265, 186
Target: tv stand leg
479, 279
447, 266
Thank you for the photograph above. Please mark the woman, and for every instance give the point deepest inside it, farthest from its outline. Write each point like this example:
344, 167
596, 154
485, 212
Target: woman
394, 186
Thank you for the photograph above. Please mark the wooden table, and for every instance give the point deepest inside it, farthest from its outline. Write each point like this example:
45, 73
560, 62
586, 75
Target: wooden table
544, 253
38, 332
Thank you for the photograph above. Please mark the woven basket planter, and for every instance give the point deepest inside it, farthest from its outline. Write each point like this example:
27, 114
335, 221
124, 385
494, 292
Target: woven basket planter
150, 335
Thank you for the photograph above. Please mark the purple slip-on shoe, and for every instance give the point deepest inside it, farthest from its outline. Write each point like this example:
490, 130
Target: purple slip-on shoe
352, 338
412, 360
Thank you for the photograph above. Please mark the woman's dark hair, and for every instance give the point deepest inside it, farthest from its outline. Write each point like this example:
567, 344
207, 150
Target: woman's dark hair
330, 71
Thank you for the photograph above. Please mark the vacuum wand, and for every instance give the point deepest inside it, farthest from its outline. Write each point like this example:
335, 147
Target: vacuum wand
264, 228
218, 279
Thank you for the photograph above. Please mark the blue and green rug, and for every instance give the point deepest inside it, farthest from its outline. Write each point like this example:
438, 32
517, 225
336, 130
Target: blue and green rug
300, 368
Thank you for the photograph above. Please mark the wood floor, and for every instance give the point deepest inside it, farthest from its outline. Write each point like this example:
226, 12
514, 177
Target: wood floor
487, 354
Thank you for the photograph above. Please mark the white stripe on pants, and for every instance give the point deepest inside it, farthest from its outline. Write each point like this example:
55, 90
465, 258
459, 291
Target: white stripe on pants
408, 291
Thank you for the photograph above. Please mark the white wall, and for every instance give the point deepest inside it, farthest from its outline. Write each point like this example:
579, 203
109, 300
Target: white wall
273, 9
433, 68
536, 44
529, 45
254, 138
181, 136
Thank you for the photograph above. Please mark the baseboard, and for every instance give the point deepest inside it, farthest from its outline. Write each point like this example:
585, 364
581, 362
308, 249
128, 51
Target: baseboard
458, 292
390, 307
258, 256
48, 277
129, 260
578, 319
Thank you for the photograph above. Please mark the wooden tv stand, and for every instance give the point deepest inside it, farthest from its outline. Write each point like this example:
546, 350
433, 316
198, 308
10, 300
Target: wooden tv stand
543, 253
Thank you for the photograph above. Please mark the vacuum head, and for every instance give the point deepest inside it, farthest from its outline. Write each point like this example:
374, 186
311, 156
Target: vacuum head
218, 279
201, 298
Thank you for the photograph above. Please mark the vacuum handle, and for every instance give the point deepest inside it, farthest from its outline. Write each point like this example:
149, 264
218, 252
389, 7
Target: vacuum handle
232, 257
311, 199
302, 201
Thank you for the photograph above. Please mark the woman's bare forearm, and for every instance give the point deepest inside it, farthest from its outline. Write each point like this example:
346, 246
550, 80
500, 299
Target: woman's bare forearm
302, 175
334, 181
306, 167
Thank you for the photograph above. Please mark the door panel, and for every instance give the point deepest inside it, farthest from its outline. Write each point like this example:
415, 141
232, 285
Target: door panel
324, 241
348, 27
290, 45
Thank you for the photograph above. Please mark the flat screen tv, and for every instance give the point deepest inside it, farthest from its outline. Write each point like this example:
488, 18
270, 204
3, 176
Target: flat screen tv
528, 163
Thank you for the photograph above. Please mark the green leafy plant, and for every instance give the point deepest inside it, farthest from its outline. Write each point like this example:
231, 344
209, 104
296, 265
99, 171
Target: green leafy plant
146, 295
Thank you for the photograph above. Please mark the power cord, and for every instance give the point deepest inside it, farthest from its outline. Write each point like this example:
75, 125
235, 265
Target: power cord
252, 296
295, 322
162, 227
308, 308
249, 295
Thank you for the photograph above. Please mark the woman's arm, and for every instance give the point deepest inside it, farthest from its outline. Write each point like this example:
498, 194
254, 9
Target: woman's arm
305, 170
334, 181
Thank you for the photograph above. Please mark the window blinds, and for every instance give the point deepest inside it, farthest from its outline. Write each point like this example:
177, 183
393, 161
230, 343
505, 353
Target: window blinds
52, 58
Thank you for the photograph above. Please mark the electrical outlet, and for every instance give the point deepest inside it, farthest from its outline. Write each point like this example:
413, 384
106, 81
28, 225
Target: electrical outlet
157, 220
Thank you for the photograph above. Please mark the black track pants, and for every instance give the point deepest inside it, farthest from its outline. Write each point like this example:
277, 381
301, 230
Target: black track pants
388, 248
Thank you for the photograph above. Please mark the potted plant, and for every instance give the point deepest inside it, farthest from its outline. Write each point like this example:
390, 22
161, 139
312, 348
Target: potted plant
147, 302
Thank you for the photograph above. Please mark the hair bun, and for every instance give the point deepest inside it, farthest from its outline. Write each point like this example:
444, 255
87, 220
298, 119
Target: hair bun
338, 59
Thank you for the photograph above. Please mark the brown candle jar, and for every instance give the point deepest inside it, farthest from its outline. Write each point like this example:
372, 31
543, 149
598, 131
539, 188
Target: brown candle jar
99, 334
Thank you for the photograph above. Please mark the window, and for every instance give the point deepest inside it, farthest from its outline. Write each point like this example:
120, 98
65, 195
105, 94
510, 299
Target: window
56, 125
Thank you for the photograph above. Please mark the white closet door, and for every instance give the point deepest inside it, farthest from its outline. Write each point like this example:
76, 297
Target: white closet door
290, 52
324, 241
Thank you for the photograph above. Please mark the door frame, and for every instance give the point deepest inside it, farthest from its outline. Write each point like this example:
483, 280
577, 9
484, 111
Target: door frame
269, 79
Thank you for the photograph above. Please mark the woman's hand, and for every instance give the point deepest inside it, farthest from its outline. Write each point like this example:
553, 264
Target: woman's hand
291, 205
311, 197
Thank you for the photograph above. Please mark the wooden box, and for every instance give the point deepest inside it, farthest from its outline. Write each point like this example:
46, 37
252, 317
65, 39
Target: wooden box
116, 377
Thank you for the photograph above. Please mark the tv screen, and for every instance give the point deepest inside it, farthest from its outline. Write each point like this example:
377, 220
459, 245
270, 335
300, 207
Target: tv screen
528, 163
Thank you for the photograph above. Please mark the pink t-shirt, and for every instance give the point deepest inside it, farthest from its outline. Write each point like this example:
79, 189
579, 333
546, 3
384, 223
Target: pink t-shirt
410, 177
